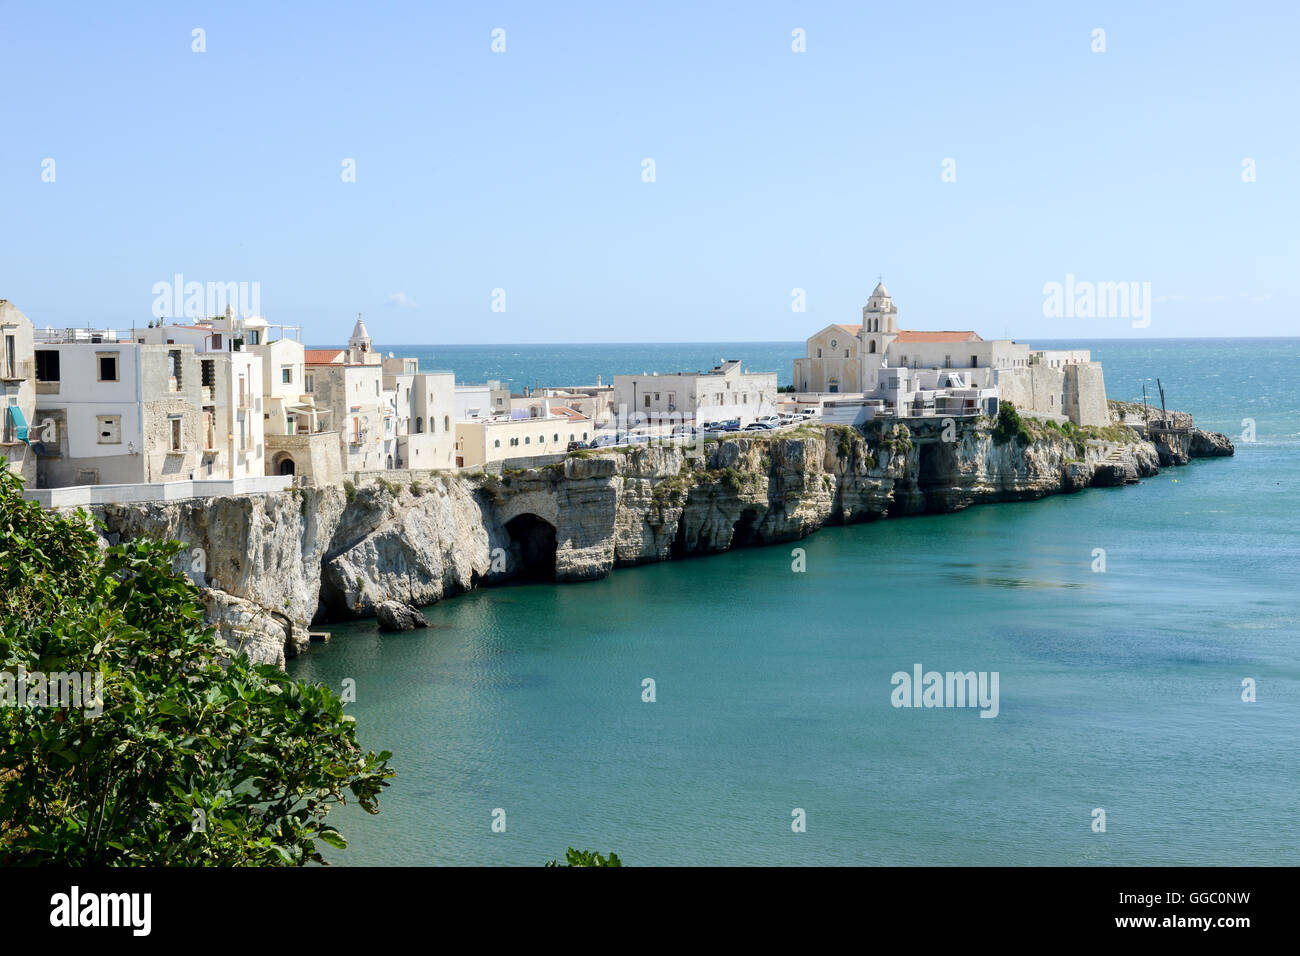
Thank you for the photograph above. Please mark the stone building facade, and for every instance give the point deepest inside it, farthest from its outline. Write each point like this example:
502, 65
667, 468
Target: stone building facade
1064, 384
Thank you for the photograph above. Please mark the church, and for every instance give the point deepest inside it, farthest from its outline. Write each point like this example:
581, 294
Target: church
1064, 385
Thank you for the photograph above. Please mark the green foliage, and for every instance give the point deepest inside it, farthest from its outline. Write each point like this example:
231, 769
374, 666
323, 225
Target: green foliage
1010, 426
736, 479
417, 488
194, 758
389, 487
586, 858
349, 491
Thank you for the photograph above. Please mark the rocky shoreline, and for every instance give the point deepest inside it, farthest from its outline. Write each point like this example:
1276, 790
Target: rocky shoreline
274, 564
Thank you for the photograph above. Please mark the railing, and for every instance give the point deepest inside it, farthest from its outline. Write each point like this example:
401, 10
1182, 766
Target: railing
84, 495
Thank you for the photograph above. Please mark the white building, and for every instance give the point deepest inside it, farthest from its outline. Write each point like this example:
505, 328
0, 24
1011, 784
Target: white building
17, 392
849, 358
111, 410
390, 414
723, 392
481, 401
541, 429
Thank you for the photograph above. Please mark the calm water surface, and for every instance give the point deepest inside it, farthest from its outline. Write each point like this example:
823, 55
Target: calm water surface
1119, 690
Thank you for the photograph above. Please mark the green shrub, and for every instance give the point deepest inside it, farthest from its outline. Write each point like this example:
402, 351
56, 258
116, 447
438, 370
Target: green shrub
586, 858
1010, 426
190, 757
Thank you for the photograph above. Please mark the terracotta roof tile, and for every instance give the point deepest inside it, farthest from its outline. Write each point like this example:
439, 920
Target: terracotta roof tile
321, 356
905, 335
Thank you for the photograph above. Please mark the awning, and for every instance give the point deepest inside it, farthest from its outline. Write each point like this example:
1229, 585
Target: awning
20, 422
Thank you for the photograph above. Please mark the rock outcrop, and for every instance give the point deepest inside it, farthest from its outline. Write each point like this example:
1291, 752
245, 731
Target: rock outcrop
269, 565
396, 616
1210, 445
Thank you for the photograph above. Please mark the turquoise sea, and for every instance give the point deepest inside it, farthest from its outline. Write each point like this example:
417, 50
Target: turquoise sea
1119, 691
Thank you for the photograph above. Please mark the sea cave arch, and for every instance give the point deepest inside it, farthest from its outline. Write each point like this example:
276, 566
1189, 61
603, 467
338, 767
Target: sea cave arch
532, 547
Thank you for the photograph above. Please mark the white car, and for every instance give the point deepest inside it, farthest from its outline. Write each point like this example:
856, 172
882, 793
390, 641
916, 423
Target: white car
771, 421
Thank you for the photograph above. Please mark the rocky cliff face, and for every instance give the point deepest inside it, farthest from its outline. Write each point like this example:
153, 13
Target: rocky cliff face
270, 565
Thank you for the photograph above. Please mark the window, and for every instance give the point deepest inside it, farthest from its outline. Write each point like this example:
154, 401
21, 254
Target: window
446, 423
286, 374
496, 443
834, 344
419, 426
555, 437
107, 362
947, 361
11, 357
871, 347
974, 361
846, 353
819, 353
47, 365
216, 341
254, 337
656, 396
528, 440
208, 373
7, 411
309, 383
647, 399
109, 429
175, 423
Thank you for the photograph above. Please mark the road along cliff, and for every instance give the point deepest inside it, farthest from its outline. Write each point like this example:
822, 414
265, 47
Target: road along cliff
271, 565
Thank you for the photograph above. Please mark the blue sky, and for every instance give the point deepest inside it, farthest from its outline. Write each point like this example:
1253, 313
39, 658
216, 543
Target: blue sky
774, 170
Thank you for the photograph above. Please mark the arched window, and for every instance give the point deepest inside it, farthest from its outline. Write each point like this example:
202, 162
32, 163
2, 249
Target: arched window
528, 440
556, 437
496, 443
446, 423
872, 346
419, 425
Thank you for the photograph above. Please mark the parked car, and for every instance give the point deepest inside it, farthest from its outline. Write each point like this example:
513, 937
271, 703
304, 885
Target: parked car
686, 430
807, 413
771, 421
575, 445
759, 427
604, 441
730, 425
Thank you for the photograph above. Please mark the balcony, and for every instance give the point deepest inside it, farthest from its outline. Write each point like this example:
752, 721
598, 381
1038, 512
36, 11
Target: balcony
15, 371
